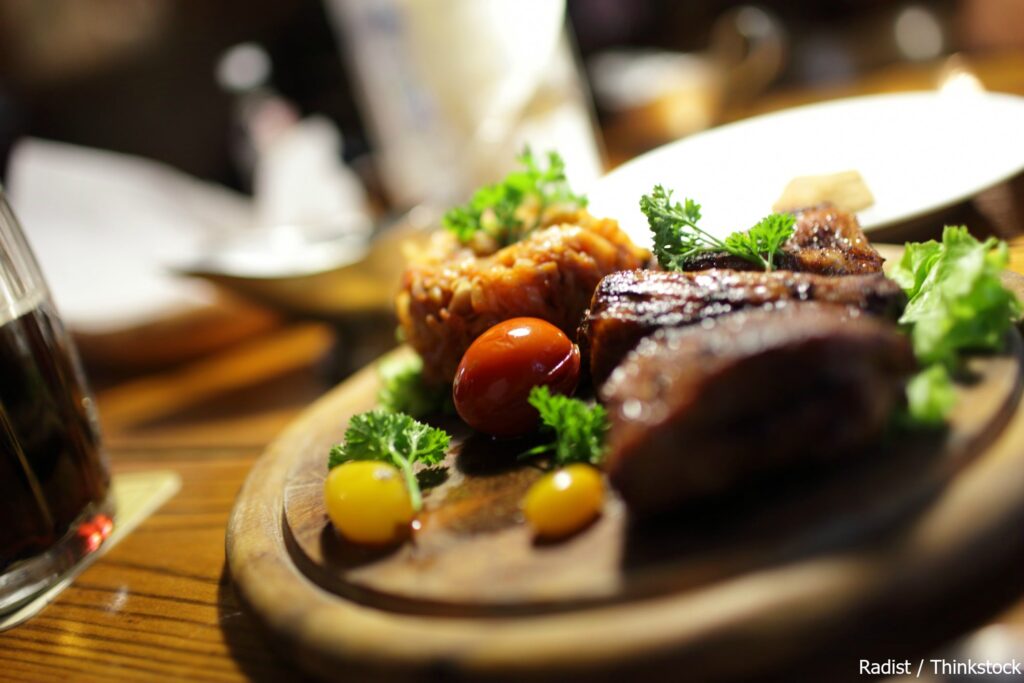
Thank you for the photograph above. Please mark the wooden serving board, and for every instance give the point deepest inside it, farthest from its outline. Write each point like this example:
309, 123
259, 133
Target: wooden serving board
881, 558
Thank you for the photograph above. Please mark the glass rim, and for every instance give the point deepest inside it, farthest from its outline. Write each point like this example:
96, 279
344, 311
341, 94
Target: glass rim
22, 286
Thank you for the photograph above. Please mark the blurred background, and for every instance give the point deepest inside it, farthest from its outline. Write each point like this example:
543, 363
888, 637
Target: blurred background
227, 184
156, 78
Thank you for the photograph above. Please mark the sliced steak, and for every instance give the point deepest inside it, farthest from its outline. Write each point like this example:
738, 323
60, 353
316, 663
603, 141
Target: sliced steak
629, 305
825, 241
697, 410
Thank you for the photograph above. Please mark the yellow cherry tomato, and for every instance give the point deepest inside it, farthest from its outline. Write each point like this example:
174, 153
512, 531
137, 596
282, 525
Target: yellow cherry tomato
564, 501
368, 502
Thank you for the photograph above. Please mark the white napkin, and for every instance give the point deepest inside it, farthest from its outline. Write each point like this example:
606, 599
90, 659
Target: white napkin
106, 229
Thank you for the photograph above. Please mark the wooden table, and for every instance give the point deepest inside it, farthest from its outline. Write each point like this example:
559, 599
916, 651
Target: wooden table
160, 605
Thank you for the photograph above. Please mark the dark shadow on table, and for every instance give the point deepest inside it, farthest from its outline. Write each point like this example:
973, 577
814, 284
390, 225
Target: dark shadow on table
250, 645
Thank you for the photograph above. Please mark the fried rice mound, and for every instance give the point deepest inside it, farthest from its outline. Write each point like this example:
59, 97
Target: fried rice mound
451, 294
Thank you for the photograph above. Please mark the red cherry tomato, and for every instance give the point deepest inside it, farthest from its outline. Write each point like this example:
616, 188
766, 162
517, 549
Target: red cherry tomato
498, 370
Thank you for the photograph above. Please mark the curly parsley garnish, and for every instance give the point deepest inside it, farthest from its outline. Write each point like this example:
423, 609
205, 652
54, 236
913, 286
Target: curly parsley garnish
403, 389
393, 438
678, 238
495, 209
956, 302
578, 428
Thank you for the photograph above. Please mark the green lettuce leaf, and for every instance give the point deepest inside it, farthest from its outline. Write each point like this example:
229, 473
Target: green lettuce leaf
956, 300
930, 395
956, 303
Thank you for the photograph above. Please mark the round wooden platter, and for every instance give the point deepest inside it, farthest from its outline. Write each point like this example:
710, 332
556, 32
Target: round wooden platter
808, 572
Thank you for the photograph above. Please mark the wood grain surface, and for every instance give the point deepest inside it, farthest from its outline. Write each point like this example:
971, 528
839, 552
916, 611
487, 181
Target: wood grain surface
810, 559
158, 606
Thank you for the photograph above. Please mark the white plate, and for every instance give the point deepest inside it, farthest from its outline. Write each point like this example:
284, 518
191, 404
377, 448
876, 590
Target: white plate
918, 153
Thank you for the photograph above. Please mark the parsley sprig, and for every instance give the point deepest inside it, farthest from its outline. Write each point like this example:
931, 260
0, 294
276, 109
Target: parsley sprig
578, 428
394, 438
678, 238
495, 209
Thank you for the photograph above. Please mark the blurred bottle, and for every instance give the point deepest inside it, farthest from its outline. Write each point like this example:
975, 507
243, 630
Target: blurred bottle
451, 90
292, 165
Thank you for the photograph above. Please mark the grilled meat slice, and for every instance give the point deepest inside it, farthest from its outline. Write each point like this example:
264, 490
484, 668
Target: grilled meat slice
698, 410
451, 295
830, 242
629, 305
825, 240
